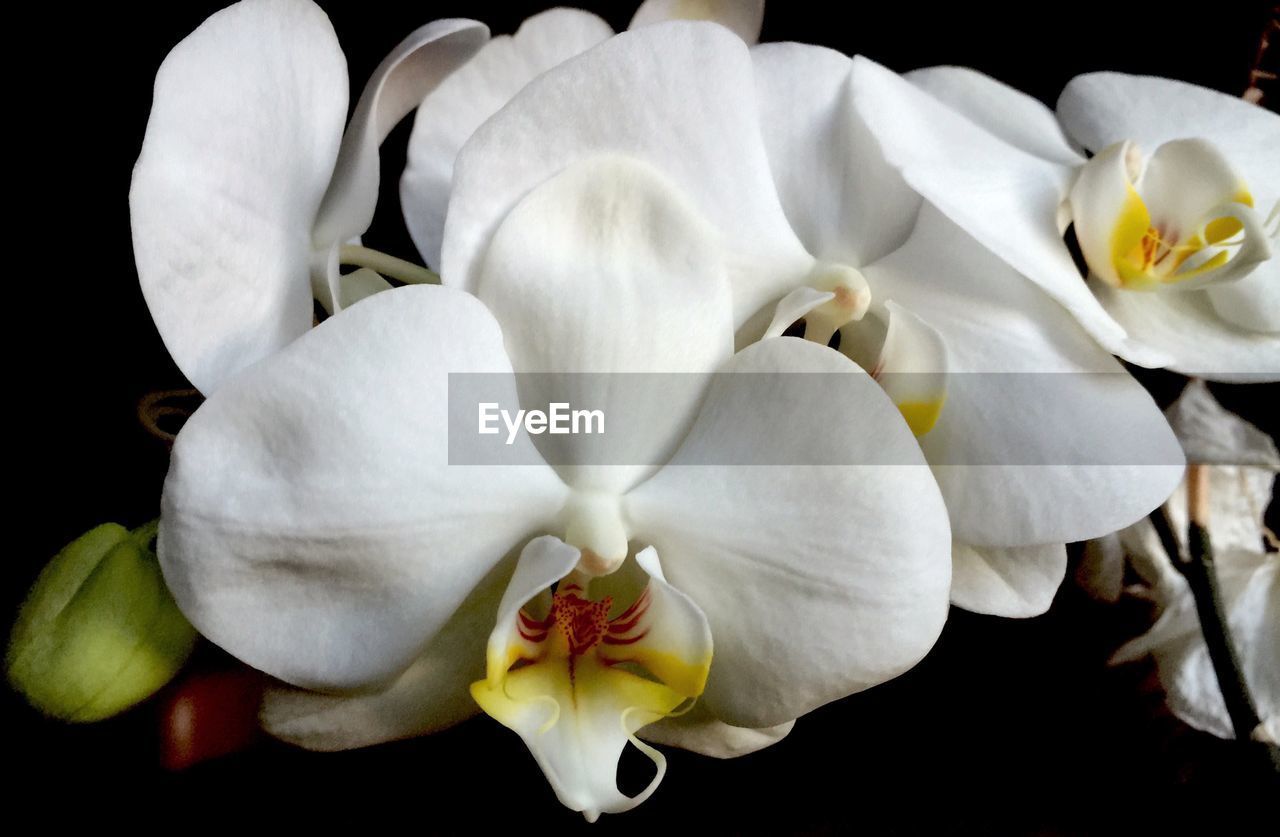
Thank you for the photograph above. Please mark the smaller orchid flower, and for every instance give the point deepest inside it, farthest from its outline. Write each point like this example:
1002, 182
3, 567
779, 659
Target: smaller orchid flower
499, 70
1242, 463
1177, 211
247, 194
768, 143
1249, 582
315, 525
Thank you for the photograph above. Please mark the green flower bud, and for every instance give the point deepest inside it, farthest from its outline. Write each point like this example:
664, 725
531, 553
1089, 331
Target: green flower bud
99, 630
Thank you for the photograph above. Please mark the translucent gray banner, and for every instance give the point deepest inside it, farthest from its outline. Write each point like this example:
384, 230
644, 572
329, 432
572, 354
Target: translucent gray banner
788, 418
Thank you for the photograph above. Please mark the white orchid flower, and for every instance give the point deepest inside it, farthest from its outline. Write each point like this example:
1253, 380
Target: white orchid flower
1071, 448
1249, 582
246, 189
314, 527
1177, 212
501, 68
1242, 463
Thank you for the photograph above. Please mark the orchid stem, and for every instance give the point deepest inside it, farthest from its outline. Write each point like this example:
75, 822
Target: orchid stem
1202, 578
398, 269
1259, 75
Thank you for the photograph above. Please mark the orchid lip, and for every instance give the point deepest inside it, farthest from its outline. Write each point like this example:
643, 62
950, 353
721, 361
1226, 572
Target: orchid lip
1179, 219
576, 680
904, 354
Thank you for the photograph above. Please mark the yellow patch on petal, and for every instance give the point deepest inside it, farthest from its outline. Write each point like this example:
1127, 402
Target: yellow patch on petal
921, 416
1220, 229
1133, 243
586, 688
684, 677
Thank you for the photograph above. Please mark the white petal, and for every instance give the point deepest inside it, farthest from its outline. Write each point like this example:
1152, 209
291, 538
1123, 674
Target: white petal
822, 574
1013, 116
699, 731
1251, 303
311, 524
1185, 328
607, 269
1016, 582
1101, 571
843, 199
680, 96
360, 284
413, 69
1007, 199
742, 17
1238, 499
1211, 435
1098, 109
243, 134
1250, 587
453, 111
913, 368
434, 693
1018, 460
1016, 118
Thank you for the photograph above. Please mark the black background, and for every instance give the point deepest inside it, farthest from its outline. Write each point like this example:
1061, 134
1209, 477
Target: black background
1008, 727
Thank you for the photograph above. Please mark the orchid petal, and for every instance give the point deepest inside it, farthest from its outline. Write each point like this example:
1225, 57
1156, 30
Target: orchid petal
912, 368
1015, 582
1101, 569
700, 732
1238, 500
633, 95
606, 268
1007, 199
413, 69
1211, 435
1099, 109
311, 524
1251, 303
240, 146
845, 202
1013, 116
361, 284
741, 17
577, 711
463, 101
1016, 458
863, 551
1249, 582
433, 693
1182, 221
1185, 327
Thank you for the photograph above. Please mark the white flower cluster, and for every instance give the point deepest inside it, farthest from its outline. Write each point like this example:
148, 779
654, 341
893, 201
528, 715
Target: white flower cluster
674, 201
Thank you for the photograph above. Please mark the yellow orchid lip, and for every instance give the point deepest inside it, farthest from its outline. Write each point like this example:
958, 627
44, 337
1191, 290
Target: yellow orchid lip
1180, 219
577, 684
904, 354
